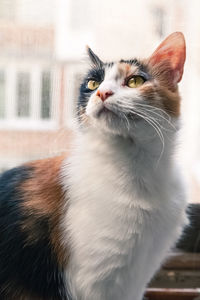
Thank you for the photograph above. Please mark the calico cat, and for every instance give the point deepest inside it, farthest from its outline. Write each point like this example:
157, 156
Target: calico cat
97, 223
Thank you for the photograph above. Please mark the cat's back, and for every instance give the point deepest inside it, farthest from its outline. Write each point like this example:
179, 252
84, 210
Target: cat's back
31, 255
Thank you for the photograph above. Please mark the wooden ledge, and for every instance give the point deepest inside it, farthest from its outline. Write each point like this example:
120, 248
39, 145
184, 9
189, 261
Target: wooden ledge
172, 294
183, 261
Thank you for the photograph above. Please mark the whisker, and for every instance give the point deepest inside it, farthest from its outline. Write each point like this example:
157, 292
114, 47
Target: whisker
153, 107
156, 120
150, 120
158, 131
149, 109
156, 113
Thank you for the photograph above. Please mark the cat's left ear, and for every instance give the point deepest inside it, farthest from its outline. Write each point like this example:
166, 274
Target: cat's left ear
170, 55
94, 58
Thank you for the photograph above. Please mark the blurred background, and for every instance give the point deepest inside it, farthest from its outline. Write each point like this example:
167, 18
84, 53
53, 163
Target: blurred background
42, 59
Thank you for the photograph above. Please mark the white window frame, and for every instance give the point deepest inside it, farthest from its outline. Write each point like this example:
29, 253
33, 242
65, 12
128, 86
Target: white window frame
34, 121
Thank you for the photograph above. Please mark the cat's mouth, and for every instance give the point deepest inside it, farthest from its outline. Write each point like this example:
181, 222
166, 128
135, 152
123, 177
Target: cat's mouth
106, 110
109, 117
111, 111
103, 110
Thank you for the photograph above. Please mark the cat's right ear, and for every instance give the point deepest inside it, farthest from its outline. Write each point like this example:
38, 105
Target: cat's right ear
94, 58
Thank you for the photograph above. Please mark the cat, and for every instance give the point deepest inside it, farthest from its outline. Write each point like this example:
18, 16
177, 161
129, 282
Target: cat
96, 223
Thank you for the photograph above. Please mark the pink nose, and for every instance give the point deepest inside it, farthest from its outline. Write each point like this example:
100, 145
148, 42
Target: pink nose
104, 94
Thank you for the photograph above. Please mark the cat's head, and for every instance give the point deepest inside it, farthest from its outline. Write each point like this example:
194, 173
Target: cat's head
118, 97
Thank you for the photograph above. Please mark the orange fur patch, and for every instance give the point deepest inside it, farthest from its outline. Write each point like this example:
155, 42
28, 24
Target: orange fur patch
44, 196
171, 101
160, 96
125, 70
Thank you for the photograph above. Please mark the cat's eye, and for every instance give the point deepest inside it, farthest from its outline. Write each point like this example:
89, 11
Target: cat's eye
135, 81
93, 85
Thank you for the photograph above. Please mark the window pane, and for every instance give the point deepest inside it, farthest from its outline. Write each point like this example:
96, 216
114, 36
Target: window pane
46, 95
2, 94
23, 94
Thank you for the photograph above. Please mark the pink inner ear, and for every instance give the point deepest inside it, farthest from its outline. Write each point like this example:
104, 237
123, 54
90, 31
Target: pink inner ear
172, 50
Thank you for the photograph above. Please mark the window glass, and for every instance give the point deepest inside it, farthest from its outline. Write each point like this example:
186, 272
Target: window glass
46, 95
2, 95
23, 94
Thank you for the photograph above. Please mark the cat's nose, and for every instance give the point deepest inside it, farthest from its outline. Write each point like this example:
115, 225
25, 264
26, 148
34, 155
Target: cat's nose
104, 94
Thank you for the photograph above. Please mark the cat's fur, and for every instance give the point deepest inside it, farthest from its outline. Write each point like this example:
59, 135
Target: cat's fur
190, 239
96, 224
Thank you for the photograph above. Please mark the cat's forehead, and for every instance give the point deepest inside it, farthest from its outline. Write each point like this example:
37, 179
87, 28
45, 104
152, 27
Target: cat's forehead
120, 70
123, 69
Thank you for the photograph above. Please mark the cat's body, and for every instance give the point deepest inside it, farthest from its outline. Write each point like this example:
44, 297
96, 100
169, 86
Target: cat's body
127, 221
96, 224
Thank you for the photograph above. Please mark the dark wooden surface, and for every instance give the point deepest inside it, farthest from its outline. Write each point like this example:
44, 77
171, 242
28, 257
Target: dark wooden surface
173, 294
182, 270
179, 279
183, 261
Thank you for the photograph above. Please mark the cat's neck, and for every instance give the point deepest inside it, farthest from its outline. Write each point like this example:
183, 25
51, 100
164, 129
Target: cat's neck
140, 150
103, 163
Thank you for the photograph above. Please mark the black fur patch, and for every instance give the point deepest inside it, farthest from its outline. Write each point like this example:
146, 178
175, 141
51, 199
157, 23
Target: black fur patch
94, 58
96, 73
25, 267
135, 62
109, 64
190, 239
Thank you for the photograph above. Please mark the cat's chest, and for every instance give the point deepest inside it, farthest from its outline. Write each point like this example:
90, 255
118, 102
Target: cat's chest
118, 211
109, 200
111, 224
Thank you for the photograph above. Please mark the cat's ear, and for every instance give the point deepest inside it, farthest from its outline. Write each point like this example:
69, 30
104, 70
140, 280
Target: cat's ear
170, 55
94, 58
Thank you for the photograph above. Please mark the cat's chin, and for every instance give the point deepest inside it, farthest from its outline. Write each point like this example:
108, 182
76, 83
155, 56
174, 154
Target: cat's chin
108, 121
108, 118
103, 112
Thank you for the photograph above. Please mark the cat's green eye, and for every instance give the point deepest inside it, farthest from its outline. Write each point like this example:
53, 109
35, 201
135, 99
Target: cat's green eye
93, 85
135, 81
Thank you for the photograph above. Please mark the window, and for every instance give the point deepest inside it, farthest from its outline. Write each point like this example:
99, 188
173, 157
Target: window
7, 9
2, 95
46, 95
23, 94
28, 96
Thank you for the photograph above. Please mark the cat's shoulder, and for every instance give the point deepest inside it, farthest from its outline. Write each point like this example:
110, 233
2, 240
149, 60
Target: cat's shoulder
37, 183
43, 189
31, 206
32, 201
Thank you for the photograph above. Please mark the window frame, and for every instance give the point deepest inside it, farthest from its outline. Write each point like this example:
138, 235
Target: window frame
34, 122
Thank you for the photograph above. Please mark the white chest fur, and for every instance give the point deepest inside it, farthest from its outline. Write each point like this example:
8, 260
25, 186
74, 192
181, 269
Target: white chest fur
124, 214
